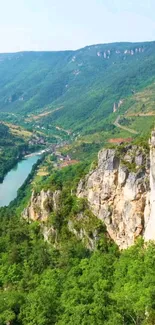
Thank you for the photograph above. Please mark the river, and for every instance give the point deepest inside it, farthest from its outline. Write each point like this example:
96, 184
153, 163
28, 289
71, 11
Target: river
14, 179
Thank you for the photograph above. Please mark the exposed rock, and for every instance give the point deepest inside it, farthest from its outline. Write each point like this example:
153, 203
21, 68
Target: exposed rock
128, 157
115, 108
120, 192
149, 215
134, 51
49, 233
120, 103
117, 105
76, 72
119, 196
127, 52
99, 54
88, 237
41, 204
139, 159
73, 58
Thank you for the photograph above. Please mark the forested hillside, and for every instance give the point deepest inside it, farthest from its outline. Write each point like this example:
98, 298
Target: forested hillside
83, 84
59, 263
61, 281
12, 148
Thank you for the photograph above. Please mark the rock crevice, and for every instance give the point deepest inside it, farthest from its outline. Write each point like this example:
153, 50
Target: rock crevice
121, 192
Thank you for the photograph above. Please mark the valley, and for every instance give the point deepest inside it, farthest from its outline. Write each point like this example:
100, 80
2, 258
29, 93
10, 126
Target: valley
77, 157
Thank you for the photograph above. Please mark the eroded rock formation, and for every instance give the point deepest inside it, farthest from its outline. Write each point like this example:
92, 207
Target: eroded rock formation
121, 192
41, 204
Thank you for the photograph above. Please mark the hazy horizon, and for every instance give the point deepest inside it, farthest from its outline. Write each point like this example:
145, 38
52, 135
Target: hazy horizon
67, 50
57, 25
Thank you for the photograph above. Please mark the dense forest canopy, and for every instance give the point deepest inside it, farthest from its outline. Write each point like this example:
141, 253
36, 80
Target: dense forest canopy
11, 149
69, 284
43, 285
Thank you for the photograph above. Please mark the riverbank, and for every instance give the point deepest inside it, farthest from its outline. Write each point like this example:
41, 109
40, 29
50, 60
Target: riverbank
38, 153
15, 178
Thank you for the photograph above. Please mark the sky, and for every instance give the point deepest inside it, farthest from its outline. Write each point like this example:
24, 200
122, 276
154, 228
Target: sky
39, 25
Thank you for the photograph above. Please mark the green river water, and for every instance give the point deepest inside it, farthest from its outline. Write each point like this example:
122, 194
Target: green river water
14, 179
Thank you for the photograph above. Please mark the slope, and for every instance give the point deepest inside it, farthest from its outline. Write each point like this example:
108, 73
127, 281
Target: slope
85, 82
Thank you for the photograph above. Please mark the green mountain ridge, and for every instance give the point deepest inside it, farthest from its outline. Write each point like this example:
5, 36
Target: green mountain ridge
48, 273
85, 82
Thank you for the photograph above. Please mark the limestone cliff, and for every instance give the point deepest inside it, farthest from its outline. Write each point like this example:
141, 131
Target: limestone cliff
149, 215
121, 192
83, 225
41, 204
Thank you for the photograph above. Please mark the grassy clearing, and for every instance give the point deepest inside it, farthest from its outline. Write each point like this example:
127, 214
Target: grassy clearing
141, 102
17, 130
142, 124
42, 172
39, 116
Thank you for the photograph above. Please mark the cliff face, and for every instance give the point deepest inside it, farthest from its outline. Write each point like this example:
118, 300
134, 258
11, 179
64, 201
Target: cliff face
83, 225
41, 204
121, 192
149, 215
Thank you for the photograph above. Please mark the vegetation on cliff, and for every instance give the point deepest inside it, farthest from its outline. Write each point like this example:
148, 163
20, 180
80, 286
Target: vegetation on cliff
71, 285
78, 276
63, 282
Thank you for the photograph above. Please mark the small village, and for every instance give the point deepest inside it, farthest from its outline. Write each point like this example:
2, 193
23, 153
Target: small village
62, 160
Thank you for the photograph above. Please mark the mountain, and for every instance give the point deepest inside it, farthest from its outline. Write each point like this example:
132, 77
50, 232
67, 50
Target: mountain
81, 87
75, 244
58, 263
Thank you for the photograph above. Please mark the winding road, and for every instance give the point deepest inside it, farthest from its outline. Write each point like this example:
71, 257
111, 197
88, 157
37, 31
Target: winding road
117, 124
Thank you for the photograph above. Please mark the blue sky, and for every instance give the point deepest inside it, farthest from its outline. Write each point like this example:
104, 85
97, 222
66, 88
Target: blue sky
70, 24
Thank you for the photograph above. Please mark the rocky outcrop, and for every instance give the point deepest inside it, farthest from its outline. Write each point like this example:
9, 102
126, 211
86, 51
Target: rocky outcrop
134, 51
149, 215
41, 204
118, 192
116, 106
126, 52
90, 241
49, 234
